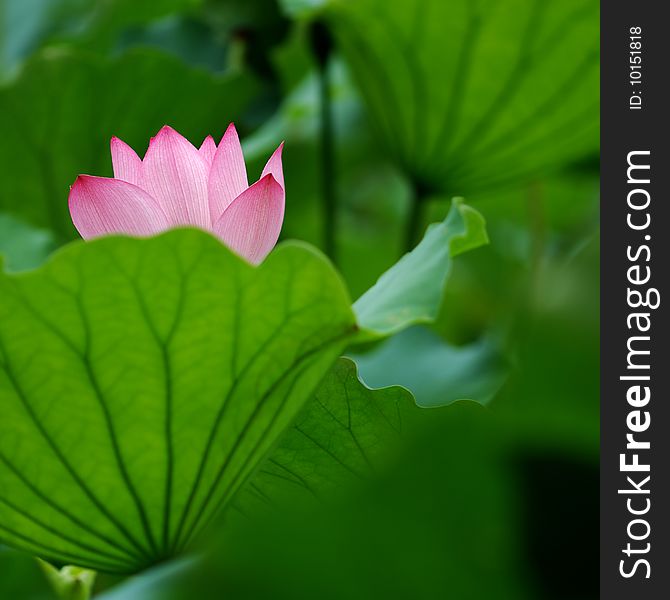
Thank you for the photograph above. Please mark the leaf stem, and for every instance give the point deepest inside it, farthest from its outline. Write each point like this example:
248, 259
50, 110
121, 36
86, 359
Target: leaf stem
536, 219
322, 46
415, 216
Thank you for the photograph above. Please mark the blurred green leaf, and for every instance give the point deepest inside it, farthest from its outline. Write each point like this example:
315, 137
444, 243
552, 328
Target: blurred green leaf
24, 24
104, 20
532, 229
28, 25
439, 521
343, 435
141, 381
23, 246
471, 95
21, 577
564, 205
436, 372
158, 583
411, 291
261, 19
58, 116
301, 8
552, 396
192, 40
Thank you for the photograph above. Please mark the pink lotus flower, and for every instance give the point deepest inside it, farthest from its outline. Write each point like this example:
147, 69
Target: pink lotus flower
177, 184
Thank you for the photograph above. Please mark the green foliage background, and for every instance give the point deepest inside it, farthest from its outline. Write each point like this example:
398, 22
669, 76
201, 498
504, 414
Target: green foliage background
389, 109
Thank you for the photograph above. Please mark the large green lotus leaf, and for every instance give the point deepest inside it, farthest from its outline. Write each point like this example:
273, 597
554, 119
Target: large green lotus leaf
411, 291
468, 94
343, 434
341, 437
58, 116
141, 381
